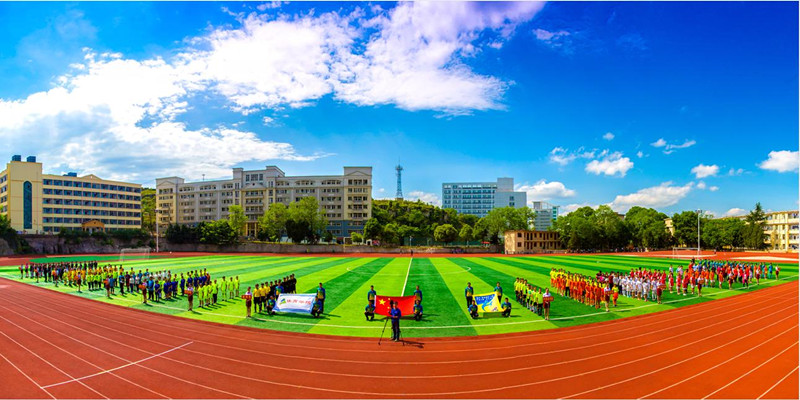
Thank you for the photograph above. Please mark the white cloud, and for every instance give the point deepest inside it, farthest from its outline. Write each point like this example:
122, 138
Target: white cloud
610, 165
663, 195
543, 190
735, 172
557, 40
701, 185
670, 148
412, 56
430, 198
267, 121
562, 156
639, 154
608, 136
713, 188
736, 212
702, 171
414, 61
781, 161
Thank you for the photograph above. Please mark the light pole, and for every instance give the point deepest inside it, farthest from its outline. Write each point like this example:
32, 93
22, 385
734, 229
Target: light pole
698, 232
157, 235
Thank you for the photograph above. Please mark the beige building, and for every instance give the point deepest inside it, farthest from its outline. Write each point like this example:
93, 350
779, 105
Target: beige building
43, 203
526, 242
782, 230
346, 199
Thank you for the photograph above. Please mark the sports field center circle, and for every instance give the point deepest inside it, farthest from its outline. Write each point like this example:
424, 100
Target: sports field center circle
446, 273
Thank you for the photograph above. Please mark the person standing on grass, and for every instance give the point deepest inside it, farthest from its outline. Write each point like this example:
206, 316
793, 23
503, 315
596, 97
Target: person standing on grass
371, 295
214, 291
236, 286
498, 290
546, 299
468, 293
321, 296
190, 296
247, 301
778, 272
418, 295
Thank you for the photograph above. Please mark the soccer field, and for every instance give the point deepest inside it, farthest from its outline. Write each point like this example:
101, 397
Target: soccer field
442, 281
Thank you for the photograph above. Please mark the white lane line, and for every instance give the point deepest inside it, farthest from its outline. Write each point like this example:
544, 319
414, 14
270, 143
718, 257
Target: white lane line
120, 367
26, 375
777, 383
753, 369
402, 292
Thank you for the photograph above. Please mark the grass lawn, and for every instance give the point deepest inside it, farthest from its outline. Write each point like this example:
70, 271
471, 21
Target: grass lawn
442, 281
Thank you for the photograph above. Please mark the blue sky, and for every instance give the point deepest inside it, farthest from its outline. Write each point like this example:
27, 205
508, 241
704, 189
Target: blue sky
669, 105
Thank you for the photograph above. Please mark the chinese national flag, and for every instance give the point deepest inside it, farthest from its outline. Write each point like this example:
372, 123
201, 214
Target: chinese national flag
404, 303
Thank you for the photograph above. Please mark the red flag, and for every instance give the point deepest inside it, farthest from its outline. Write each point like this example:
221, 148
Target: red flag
404, 303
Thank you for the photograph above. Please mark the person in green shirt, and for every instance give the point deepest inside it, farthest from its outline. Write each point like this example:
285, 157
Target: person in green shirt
236, 286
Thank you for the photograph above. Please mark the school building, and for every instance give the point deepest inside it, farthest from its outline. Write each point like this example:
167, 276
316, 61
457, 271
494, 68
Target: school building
345, 199
782, 230
526, 242
42, 203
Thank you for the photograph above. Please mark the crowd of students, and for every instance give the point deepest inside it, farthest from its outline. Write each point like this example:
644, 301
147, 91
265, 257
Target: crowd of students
265, 294
533, 298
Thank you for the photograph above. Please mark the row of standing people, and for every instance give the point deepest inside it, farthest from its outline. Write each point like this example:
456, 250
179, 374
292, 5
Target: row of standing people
533, 298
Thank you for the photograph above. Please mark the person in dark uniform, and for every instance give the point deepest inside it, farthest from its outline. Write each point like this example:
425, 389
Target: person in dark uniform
369, 311
506, 306
473, 310
468, 292
395, 314
371, 295
417, 310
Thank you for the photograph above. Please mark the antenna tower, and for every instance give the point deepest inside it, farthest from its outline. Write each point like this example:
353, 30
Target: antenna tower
399, 169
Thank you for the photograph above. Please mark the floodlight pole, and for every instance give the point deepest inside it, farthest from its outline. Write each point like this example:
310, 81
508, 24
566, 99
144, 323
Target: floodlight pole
698, 232
157, 235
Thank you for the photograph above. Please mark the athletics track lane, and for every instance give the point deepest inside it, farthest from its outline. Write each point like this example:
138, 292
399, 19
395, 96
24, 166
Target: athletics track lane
599, 360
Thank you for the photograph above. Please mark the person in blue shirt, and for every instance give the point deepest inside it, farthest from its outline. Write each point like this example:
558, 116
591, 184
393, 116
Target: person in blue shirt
473, 310
321, 295
468, 291
499, 291
395, 314
506, 306
369, 311
418, 295
271, 305
316, 310
183, 284
417, 310
371, 295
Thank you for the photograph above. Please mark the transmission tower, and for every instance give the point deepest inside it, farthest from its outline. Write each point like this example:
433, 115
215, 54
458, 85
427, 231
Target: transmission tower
399, 169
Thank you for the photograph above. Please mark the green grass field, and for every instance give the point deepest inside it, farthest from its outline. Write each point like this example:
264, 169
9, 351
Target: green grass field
442, 281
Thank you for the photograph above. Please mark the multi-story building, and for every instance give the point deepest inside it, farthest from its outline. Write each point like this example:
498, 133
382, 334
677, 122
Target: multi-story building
545, 213
346, 199
43, 203
525, 242
783, 230
478, 198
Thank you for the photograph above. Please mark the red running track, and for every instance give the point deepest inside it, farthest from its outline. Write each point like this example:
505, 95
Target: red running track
54, 345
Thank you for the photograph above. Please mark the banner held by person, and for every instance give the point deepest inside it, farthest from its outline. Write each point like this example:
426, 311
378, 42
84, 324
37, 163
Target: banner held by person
404, 303
295, 303
487, 303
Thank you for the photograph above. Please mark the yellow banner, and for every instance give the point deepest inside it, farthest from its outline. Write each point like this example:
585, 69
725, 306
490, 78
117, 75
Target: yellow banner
487, 302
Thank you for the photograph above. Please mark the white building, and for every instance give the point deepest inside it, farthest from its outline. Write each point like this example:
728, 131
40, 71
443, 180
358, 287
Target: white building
478, 198
346, 199
546, 213
782, 230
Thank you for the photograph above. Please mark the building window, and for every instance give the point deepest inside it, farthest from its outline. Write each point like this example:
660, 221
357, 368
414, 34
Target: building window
27, 205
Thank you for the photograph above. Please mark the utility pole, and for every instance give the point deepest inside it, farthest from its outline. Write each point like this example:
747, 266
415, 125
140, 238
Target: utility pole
698, 232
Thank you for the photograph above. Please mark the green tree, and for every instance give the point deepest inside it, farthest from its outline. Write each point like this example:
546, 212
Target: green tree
148, 209
308, 219
647, 228
466, 233
327, 236
500, 220
390, 234
356, 237
272, 224
373, 229
685, 225
445, 233
753, 233
219, 232
236, 219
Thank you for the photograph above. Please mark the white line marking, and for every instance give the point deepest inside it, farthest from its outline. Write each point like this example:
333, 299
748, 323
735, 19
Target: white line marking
777, 383
26, 375
716, 366
120, 367
753, 369
402, 292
